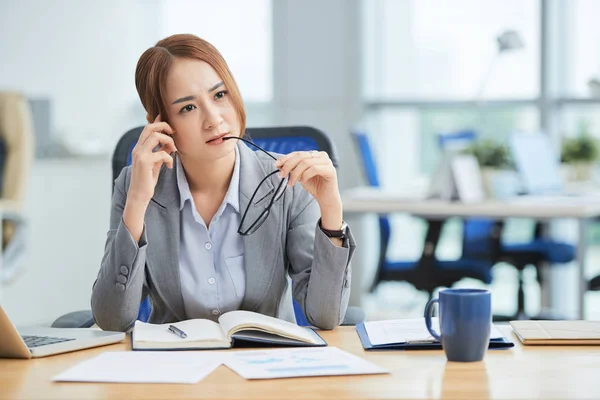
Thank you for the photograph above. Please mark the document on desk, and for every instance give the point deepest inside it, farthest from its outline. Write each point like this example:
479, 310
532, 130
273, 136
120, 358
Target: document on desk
299, 362
410, 330
144, 367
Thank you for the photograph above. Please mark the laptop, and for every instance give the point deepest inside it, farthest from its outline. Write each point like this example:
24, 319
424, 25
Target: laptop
539, 167
42, 341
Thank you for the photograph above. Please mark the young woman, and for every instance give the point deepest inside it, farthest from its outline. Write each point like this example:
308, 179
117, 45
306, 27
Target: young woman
203, 224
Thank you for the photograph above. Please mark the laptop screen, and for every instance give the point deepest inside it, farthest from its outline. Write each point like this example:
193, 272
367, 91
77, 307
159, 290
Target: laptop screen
537, 163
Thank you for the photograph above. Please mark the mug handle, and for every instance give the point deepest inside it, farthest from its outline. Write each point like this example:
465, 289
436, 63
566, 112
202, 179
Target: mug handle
428, 312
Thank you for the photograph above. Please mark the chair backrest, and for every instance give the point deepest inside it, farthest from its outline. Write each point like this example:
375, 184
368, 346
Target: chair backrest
122, 154
287, 139
457, 140
367, 157
275, 139
370, 170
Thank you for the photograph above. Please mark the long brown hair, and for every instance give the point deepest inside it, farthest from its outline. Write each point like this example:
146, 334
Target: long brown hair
155, 63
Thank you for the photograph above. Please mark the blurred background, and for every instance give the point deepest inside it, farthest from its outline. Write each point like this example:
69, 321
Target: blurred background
401, 71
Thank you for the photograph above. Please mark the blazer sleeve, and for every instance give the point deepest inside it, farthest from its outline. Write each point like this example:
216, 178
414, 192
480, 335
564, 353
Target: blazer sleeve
120, 285
320, 270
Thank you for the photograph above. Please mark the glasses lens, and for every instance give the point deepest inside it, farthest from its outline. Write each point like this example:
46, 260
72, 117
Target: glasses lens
249, 226
280, 190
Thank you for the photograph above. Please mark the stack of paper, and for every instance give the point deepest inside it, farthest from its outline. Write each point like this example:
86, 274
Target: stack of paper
144, 367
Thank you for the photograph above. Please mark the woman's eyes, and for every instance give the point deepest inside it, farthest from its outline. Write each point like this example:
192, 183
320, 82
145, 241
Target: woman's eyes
188, 108
220, 95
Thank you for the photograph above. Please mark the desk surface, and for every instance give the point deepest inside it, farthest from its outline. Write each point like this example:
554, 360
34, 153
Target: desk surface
558, 372
369, 200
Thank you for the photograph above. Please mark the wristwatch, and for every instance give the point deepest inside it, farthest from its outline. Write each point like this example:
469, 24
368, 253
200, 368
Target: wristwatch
341, 233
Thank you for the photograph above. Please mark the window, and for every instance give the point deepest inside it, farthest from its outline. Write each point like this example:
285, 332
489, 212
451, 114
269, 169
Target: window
582, 54
425, 49
405, 139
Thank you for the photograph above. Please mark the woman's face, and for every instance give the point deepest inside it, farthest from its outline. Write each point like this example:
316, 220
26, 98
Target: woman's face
200, 110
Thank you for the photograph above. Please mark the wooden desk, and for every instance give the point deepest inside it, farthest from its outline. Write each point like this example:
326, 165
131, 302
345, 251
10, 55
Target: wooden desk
531, 372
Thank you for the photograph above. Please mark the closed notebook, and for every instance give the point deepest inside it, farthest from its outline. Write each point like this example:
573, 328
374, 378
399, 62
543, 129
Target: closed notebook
557, 332
235, 328
411, 334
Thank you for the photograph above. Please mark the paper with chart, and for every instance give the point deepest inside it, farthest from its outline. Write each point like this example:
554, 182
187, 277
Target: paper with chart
144, 367
287, 363
410, 330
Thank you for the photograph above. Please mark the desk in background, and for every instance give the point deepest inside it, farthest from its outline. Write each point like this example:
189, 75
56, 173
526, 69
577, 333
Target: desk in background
523, 372
362, 201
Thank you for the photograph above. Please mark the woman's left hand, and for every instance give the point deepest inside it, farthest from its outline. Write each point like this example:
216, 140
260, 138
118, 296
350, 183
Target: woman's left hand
315, 172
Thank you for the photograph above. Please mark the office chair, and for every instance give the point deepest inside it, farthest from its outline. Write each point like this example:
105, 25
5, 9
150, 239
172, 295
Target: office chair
481, 237
279, 140
16, 158
428, 273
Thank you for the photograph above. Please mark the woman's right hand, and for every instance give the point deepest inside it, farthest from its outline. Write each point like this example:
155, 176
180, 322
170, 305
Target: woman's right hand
146, 163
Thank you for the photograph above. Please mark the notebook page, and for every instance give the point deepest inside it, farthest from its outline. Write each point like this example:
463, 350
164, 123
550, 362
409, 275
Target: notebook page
239, 320
196, 330
407, 330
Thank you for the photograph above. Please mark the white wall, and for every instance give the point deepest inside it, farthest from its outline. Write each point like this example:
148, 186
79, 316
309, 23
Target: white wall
68, 208
81, 55
316, 67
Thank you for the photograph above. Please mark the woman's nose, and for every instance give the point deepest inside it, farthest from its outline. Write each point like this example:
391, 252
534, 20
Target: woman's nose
213, 117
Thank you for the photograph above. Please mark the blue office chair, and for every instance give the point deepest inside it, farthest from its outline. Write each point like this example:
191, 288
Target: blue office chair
481, 236
428, 273
277, 139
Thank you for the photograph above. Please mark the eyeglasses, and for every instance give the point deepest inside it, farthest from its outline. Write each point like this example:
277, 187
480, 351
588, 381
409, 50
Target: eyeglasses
247, 228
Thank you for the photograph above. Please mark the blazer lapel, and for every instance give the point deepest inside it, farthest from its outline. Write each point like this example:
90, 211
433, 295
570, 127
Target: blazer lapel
162, 232
260, 254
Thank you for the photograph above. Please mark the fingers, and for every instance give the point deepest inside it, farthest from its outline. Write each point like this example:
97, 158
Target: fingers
312, 171
290, 161
161, 157
155, 139
160, 127
296, 164
156, 126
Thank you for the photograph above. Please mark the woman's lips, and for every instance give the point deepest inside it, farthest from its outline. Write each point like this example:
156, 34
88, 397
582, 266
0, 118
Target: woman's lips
218, 139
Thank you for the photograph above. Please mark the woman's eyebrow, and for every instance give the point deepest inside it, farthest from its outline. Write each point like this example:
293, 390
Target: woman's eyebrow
216, 86
181, 100
188, 98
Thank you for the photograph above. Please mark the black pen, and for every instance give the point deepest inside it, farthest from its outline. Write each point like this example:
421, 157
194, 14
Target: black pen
176, 331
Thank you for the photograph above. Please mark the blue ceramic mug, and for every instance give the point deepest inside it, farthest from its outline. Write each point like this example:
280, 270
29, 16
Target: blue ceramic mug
465, 323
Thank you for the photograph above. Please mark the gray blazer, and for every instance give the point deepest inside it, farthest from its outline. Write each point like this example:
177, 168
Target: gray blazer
289, 244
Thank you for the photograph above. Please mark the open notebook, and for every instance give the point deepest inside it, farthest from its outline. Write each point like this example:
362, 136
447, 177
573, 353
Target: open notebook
245, 327
557, 332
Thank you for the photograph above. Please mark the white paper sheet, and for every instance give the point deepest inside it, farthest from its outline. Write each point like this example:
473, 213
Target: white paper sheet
410, 330
144, 367
299, 362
